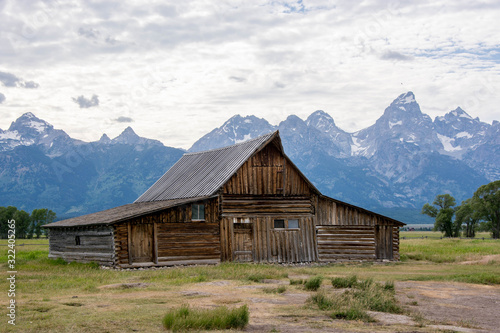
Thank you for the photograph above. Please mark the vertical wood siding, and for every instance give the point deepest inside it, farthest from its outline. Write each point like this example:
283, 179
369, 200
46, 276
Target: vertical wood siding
268, 244
267, 173
95, 244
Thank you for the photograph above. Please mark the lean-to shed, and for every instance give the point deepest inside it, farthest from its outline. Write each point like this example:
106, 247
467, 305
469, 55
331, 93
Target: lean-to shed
246, 203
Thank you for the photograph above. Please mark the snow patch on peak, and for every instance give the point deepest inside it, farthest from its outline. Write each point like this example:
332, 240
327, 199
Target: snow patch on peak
246, 137
248, 121
464, 135
447, 143
39, 126
391, 124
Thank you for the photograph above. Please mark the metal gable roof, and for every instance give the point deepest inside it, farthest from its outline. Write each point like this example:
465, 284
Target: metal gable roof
203, 173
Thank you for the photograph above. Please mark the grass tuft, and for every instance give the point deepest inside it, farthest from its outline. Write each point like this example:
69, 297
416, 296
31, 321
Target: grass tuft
186, 318
362, 296
313, 283
344, 282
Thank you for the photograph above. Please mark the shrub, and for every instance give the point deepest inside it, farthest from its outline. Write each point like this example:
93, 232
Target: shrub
186, 318
313, 283
344, 282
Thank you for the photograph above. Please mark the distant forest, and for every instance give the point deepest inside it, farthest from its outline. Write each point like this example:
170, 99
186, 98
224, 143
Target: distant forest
25, 225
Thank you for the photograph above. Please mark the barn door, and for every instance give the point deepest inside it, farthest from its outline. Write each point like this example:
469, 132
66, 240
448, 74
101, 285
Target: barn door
383, 236
141, 243
242, 242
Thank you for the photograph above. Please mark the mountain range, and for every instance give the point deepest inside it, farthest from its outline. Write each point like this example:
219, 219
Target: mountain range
392, 167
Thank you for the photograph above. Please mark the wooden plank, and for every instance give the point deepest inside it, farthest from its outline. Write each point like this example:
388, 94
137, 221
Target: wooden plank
129, 233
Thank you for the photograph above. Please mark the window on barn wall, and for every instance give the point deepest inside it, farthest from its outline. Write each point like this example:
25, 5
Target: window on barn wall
279, 224
293, 224
286, 224
198, 212
77, 240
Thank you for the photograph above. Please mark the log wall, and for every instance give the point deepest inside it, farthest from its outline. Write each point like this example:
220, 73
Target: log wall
84, 244
337, 242
395, 244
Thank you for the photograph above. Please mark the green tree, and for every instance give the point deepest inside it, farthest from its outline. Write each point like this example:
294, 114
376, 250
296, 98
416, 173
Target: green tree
22, 224
487, 203
40, 217
468, 216
443, 211
6, 214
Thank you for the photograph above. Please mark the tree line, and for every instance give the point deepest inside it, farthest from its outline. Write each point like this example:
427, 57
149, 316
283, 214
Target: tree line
481, 212
27, 226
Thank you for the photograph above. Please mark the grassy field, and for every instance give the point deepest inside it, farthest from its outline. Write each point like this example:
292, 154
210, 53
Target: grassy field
54, 296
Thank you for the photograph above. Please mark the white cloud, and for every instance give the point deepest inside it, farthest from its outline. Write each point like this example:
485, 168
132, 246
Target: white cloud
179, 69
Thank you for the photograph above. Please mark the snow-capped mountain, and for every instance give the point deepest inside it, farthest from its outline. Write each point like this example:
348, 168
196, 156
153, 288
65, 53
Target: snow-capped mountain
43, 167
404, 160
236, 129
393, 167
28, 130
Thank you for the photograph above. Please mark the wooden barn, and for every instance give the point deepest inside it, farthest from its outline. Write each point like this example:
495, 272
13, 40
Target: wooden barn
244, 203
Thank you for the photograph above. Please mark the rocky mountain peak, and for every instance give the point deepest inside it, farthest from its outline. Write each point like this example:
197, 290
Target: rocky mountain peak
104, 139
406, 98
29, 125
128, 136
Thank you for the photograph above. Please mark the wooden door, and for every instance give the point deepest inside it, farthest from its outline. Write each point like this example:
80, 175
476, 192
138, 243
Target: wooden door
383, 238
242, 249
141, 243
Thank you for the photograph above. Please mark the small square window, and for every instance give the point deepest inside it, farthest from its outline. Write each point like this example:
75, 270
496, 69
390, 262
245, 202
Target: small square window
293, 224
279, 224
198, 212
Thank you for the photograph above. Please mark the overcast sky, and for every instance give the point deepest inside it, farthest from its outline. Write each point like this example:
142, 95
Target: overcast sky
173, 72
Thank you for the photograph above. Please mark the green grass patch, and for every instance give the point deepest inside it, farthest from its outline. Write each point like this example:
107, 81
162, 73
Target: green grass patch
186, 318
362, 296
447, 250
344, 282
313, 283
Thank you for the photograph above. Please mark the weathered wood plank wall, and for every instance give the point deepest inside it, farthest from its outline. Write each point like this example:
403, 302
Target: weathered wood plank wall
84, 244
267, 243
174, 237
345, 243
267, 173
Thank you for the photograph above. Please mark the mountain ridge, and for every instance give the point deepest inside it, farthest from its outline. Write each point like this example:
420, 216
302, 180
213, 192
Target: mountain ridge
400, 162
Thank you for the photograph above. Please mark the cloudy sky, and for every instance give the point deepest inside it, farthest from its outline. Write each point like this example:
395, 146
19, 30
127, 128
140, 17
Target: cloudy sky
174, 70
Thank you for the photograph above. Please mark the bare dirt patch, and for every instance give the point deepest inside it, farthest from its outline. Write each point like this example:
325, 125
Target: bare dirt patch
485, 260
471, 306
